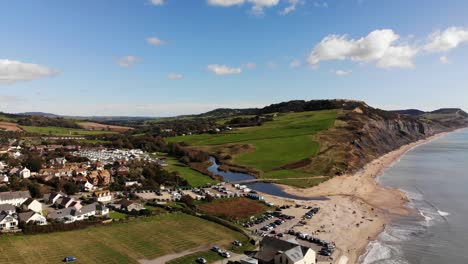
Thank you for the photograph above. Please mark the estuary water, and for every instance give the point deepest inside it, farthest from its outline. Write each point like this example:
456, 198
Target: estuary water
264, 187
435, 177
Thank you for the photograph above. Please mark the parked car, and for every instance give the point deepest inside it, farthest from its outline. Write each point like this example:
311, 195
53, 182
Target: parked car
201, 260
225, 254
215, 249
237, 243
69, 259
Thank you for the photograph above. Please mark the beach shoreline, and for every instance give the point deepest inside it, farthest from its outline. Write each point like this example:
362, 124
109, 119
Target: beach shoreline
359, 206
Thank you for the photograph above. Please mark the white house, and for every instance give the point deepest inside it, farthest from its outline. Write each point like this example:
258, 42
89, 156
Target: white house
25, 173
8, 222
103, 196
14, 198
33, 205
71, 214
32, 217
17, 154
4, 179
87, 186
51, 198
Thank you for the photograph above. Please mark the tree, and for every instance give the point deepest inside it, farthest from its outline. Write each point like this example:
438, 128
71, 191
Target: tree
35, 190
188, 200
70, 188
33, 162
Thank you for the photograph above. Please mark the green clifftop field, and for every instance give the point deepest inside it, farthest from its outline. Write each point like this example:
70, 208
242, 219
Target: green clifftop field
309, 141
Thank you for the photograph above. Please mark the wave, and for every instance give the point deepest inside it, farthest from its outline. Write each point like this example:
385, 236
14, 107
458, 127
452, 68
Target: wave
442, 213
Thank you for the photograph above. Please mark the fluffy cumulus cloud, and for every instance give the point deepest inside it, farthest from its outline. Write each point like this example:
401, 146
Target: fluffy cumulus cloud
155, 41
446, 40
223, 69
342, 72
12, 71
379, 46
127, 61
175, 76
157, 2
258, 6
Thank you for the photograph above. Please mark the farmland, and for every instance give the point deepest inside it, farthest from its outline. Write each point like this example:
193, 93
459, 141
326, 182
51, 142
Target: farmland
60, 131
233, 209
103, 127
287, 139
119, 243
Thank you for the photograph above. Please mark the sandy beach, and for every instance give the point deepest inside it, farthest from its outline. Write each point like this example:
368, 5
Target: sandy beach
358, 209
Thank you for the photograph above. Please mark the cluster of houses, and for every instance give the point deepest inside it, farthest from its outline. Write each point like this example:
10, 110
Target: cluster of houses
107, 156
17, 207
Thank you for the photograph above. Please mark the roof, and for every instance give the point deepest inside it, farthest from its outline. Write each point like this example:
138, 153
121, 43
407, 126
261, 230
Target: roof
24, 217
7, 207
29, 201
295, 254
5, 196
270, 246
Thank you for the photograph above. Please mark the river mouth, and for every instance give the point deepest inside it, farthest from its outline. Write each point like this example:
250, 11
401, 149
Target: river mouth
263, 187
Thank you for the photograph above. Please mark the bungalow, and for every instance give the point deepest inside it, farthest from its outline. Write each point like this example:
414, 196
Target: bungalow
14, 198
32, 205
129, 206
277, 251
8, 222
65, 202
7, 208
69, 215
25, 173
32, 217
103, 196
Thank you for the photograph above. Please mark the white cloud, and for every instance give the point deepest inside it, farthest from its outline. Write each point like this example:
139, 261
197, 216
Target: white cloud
155, 41
12, 71
250, 65
342, 72
258, 6
157, 2
444, 60
450, 38
225, 3
295, 63
223, 69
175, 76
379, 46
127, 61
291, 7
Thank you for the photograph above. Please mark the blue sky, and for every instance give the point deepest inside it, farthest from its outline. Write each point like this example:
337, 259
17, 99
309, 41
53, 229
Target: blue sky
135, 57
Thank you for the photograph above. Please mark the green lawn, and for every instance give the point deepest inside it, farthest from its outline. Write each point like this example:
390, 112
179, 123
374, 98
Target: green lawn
287, 139
61, 131
117, 215
195, 178
209, 255
119, 243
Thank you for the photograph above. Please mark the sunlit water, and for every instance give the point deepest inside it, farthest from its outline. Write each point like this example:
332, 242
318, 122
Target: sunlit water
435, 177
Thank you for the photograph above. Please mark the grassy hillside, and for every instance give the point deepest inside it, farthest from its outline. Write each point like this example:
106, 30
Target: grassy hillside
121, 243
287, 139
194, 178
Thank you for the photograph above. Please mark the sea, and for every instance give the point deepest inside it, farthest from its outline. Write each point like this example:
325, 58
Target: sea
434, 176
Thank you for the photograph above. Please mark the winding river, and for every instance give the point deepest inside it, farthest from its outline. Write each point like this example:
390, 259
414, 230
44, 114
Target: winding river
263, 187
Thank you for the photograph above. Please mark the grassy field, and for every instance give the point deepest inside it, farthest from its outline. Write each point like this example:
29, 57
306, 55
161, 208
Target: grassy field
209, 255
119, 243
61, 131
287, 139
195, 178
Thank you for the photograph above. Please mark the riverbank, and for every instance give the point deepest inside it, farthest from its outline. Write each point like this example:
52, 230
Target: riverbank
359, 208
